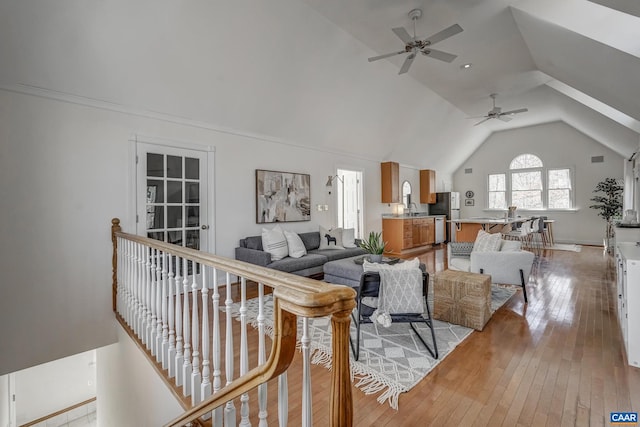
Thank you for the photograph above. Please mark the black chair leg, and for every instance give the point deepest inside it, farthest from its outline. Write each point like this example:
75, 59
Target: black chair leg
356, 349
433, 332
524, 287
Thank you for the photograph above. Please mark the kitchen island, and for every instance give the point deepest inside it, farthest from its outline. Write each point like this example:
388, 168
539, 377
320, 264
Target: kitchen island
467, 228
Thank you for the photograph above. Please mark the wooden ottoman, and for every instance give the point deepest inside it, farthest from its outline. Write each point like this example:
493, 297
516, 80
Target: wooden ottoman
462, 298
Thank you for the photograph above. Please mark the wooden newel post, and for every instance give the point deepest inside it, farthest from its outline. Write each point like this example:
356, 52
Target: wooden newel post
341, 406
115, 227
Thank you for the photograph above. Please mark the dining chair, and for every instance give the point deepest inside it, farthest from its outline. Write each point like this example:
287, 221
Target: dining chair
523, 234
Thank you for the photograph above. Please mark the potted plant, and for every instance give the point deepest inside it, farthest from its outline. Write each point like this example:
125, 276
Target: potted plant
374, 246
609, 205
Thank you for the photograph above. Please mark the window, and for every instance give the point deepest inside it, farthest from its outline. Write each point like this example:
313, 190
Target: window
560, 194
497, 191
525, 187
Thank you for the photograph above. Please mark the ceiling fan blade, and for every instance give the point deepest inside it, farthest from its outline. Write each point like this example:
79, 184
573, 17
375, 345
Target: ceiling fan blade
520, 110
438, 54
387, 55
444, 34
407, 63
403, 34
482, 121
504, 118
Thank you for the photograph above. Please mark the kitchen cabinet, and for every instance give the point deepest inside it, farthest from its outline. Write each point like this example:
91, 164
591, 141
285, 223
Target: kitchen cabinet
401, 234
390, 174
628, 284
423, 231
427, 186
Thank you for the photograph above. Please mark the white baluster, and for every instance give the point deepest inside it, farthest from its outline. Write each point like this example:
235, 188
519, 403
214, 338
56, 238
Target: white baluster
133, 286
141, 292
283, 400
147, 299
140, 315
158, 304
229, 409
152, 302
123, 263
119, 270
244, 356
307, 420
186, 332
131, 283
196, 379
262, 388
164, 349
171, 351
217, 382
179, 349
205, 388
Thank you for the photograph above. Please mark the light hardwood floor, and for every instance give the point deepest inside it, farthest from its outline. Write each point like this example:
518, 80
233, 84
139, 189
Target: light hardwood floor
557, 361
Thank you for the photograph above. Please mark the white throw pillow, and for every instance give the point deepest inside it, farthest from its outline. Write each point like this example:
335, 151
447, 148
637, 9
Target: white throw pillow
330, 239
274, 242
510, 246
348, 238
296, 247
487, 242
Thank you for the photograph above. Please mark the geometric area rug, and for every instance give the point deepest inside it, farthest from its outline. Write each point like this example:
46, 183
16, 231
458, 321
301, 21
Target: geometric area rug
392, 360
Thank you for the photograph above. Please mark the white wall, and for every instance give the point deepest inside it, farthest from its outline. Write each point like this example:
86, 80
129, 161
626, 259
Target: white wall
130, 392
557, 145
50, 387
65, 172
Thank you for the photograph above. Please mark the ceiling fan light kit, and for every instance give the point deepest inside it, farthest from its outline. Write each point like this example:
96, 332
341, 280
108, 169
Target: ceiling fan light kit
413, 45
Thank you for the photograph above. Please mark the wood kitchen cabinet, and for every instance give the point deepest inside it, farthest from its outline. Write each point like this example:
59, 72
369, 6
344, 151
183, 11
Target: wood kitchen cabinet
407, 233
423, 231
427, 186
390, 174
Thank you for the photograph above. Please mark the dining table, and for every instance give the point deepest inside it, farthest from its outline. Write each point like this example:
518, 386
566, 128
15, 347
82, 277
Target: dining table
466, 229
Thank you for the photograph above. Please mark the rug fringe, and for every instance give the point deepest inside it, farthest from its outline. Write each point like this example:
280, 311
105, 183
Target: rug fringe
368, 381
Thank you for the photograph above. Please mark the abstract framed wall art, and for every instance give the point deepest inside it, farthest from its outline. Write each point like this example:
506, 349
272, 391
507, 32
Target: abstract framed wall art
282, 196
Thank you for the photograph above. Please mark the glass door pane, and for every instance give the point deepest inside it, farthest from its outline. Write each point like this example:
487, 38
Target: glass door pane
174, 208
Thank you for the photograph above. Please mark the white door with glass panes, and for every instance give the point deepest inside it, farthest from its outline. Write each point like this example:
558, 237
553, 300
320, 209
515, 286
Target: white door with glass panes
172, 193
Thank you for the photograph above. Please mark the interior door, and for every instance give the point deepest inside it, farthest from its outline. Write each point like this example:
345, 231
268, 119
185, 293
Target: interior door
350, 201
172, 189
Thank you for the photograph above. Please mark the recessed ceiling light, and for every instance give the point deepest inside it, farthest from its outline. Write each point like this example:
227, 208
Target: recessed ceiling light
466, 66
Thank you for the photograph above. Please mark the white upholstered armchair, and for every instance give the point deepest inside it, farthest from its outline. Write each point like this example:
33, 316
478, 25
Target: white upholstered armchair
506, 265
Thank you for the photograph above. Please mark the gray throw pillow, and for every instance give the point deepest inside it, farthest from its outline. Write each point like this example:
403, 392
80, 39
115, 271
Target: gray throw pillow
461, 249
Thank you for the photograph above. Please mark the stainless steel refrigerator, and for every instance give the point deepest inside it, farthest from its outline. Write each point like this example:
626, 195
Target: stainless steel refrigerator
447, 204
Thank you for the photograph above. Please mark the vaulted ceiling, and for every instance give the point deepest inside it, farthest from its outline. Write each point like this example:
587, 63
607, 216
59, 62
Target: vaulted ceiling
588, 52
296, 71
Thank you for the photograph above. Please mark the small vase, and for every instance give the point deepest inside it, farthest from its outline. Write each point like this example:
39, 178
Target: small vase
375, 258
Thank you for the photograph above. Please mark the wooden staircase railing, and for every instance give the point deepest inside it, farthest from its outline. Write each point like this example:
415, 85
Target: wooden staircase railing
172, 323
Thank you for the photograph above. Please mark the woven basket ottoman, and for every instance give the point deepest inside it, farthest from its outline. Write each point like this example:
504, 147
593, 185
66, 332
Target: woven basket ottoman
462, 298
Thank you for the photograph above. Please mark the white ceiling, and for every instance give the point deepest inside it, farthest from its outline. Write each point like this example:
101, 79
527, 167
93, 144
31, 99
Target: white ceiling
296, 71
584, 50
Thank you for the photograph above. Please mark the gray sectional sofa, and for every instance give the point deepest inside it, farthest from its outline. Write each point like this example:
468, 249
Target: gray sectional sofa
250, 250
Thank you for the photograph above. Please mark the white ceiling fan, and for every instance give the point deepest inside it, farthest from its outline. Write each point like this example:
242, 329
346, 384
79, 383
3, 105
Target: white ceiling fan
497, 113
413, 45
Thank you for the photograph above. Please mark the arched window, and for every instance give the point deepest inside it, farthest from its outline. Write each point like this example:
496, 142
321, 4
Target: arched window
530, 186
526, 182
526, 161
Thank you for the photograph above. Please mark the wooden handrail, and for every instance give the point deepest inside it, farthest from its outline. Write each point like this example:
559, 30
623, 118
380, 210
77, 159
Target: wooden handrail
293, 296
